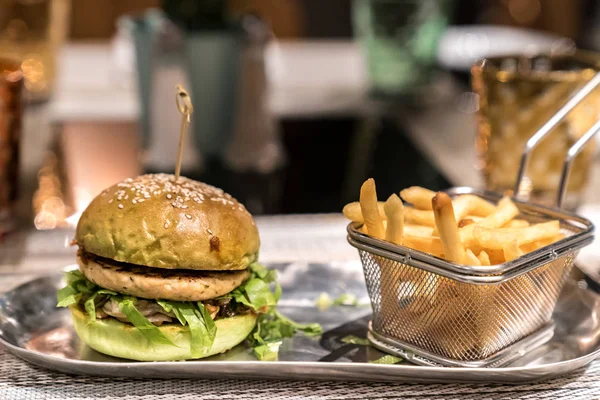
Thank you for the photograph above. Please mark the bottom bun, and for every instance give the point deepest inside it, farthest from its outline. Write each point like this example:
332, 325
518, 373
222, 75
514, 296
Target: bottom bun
118, 339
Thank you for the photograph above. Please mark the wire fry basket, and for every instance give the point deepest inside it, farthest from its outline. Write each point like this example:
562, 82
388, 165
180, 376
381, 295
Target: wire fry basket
434, 312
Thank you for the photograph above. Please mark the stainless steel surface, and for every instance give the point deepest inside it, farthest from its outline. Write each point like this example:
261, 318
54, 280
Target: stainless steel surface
463, 315
551, 124
33, 329
572, 153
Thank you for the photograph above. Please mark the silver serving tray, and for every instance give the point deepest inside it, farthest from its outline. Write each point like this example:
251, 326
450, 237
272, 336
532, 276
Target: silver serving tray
33, 329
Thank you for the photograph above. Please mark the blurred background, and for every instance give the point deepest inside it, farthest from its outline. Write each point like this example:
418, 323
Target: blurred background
296, 101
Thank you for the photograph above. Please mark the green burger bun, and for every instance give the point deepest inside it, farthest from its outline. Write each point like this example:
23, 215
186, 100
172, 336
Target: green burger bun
118, 339
153, 221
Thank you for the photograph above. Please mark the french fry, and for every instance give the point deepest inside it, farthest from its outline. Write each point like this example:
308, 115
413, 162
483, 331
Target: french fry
419, 197
516, 223
431, 245
445, 223
529, 247
394, 211
505, 211
409, 229
469, 204
465, 222
471, 259
468, 220
512, 250
474, 218
496, 256
498, 238
418, 230
486, 234
352, 211
370, 211
419, 217
484, 258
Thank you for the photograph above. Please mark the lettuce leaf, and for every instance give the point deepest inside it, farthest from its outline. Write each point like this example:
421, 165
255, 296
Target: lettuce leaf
270, 331
199, 338
387, 359
90, 303
259, 294
147, 328
208, 321
169, 306
256, 292
346, 299
263, 273
351, 339
67, 296
268, 351
77, 286
202, 327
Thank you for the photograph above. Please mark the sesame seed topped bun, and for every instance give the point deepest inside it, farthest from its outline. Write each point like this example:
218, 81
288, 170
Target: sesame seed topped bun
156, 222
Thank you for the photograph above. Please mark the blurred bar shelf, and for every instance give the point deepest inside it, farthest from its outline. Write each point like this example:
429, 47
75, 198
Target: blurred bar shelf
308, 79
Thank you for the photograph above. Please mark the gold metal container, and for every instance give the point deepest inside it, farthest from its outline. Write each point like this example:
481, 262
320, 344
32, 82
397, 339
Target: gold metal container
517, 96
33, 32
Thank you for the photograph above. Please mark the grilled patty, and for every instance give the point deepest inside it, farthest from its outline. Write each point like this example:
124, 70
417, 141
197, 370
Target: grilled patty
154, 283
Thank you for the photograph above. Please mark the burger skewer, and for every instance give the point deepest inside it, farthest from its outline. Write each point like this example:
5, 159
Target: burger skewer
185, 107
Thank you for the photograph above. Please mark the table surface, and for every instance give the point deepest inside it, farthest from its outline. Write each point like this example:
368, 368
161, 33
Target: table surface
285, 239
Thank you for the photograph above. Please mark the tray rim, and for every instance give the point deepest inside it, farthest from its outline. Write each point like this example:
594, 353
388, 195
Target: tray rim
298, 370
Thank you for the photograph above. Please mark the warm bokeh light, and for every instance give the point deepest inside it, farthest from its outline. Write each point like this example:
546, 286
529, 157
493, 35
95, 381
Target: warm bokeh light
524, 12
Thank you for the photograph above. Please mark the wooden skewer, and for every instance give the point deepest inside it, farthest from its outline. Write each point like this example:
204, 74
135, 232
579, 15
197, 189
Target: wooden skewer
185, 107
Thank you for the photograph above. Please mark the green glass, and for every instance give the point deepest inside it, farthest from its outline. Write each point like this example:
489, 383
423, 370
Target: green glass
400, 39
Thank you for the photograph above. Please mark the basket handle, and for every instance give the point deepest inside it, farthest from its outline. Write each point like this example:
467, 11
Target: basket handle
545, 129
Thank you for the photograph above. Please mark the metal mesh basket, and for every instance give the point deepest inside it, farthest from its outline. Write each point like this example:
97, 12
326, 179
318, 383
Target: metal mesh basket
451, 314
437, 312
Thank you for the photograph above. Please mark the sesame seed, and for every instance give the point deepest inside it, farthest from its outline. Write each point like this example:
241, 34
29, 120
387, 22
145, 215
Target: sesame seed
188, 216
120, 205
110, 201
181, 192
167, 223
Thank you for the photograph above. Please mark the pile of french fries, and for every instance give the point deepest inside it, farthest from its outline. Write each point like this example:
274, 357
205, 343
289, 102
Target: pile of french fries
465, 230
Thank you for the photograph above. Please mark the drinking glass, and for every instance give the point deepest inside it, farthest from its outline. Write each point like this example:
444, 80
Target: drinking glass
517, 95
400, 39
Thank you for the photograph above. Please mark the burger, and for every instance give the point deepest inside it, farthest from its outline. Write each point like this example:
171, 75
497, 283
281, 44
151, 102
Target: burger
168, 271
